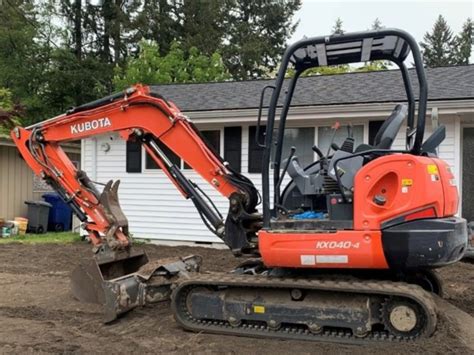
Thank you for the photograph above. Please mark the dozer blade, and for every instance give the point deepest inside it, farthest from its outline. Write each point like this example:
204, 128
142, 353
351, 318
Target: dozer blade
124, 280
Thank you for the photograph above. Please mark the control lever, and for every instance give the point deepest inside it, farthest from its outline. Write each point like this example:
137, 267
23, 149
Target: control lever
318, 151
350, 133
322, 158
334, 128
335, 147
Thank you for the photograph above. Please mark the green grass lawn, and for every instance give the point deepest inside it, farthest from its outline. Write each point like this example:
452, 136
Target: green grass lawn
56, 238
52, 237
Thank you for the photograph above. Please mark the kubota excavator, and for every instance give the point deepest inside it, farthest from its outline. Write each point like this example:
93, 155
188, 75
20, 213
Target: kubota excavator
360, 272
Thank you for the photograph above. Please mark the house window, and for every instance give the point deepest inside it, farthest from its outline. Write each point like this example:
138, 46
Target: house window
233, 147
326, 133
303, 140
134, 157
374, 127
151, 164
300, 138
213, 139
255, 151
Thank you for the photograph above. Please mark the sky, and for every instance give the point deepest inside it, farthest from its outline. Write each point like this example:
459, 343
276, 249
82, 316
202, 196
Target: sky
317, 17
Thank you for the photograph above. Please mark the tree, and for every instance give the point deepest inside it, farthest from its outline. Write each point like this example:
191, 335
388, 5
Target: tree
337, 29
60, 53
72, 82
202, 25
375, 65
158, 21
332, 69
150, 67
10, 114
22, 58
438, 45
376, 25
463, 44
256, 32
103, 30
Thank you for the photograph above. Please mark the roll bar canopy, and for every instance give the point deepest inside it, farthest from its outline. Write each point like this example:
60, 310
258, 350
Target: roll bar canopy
387, 44
350, 48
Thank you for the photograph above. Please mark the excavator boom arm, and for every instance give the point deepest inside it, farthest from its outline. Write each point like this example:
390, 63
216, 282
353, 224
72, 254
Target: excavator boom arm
136, 114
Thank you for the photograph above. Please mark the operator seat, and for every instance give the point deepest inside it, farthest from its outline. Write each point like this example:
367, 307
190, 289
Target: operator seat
384, 139
309, 182
388, 131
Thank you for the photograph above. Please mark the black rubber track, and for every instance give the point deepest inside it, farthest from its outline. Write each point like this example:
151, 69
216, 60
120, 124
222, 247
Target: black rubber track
387, 289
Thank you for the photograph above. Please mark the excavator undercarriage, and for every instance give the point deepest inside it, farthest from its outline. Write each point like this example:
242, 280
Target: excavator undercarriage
328, 309
358, 269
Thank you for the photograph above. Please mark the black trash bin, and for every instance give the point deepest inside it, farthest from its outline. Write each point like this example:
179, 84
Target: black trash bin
38, 213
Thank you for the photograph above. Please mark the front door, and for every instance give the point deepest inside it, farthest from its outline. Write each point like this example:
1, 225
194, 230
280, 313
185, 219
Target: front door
468, 173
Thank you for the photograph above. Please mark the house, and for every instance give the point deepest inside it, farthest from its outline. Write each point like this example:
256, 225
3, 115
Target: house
226, 114
17, 181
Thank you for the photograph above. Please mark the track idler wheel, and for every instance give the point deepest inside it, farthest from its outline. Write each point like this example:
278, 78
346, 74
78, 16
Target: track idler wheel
402, 317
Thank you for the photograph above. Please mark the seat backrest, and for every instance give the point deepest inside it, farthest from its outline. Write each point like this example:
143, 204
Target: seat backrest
432, 143
389, 129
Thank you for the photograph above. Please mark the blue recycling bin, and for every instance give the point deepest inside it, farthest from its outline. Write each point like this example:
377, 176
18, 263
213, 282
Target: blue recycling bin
60, 215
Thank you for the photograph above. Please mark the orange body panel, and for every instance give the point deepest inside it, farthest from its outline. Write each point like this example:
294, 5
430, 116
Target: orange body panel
451, 196
409, 183
414, 187
343, 249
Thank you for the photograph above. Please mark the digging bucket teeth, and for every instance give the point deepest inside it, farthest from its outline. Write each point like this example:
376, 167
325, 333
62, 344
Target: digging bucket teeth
121, 281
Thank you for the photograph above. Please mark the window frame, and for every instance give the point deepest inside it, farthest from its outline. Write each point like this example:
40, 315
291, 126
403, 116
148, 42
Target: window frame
241, 129
289, 125
146, 170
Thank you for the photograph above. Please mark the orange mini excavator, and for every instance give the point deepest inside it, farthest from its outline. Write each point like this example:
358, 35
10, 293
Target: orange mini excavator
359, 269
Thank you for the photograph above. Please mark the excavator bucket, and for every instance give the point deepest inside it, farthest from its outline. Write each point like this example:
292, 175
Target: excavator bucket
124, 279
128, 280
88, 277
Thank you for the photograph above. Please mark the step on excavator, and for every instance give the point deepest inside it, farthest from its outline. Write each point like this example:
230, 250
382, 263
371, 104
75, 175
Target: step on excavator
359, 269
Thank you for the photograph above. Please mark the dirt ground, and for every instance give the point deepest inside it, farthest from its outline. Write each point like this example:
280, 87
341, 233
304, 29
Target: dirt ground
39, 315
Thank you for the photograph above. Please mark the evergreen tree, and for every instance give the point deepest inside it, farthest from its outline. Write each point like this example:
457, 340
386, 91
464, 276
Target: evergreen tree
463, 44
202, 25
377, 24
438, 45
159, 21
376, 64
104, 30
332, 69
256, 32
22, 58
337, 29
60, 53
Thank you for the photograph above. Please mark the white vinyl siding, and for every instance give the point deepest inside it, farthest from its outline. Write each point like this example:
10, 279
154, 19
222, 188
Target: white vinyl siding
156, 210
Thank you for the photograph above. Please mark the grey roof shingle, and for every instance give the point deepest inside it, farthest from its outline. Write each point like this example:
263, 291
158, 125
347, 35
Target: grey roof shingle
444, 83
